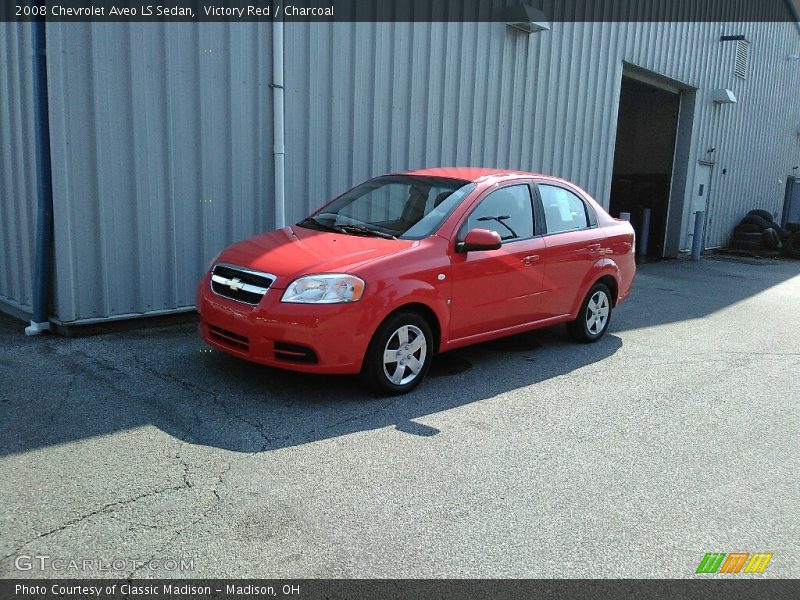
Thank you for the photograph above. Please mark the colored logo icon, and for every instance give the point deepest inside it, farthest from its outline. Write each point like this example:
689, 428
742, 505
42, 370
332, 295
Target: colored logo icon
734, 562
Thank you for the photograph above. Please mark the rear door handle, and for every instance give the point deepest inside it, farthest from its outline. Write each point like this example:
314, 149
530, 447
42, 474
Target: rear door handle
529, 260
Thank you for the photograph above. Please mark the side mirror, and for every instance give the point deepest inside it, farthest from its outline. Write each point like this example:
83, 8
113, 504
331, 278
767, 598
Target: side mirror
480, 239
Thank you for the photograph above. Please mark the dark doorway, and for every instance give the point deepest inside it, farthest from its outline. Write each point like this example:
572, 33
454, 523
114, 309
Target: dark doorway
643, 159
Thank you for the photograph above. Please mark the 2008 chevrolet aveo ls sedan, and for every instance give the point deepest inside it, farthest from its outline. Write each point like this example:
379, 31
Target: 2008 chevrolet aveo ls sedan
407, 265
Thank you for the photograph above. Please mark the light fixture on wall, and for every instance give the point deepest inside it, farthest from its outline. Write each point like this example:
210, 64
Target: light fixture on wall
525, 17
723, 96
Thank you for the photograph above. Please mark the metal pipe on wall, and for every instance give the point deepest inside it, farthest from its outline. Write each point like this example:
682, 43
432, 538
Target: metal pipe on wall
278, 148
40, 320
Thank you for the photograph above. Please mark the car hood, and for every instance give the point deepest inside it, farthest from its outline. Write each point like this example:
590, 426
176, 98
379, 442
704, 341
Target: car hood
294, 251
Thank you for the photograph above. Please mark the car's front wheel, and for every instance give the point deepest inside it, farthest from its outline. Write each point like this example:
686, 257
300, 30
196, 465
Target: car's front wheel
399, 354
593, 317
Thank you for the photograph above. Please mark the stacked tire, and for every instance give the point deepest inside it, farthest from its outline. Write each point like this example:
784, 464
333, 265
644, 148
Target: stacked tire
757, 231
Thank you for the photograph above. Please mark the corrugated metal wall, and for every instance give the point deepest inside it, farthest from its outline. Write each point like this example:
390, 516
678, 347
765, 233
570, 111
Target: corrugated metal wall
162, 133
368, 98
17, 167
755, 140
162, 155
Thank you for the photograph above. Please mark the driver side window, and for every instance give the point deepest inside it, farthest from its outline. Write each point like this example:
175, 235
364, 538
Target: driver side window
508, 211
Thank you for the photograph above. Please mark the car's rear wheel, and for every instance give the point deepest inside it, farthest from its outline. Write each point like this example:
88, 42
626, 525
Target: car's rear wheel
399, 354
593, 317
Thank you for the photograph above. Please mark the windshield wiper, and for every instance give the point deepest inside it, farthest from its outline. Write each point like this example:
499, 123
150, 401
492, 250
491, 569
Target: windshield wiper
319, 225
361, 230
500, 219
354, 229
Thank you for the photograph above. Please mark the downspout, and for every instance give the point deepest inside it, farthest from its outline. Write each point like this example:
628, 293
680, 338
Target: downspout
278, 149
44, 185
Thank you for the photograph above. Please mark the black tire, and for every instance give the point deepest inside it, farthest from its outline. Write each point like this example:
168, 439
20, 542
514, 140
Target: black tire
766, 215
580, 329
748, 237
791, 247
755, 220
792, 228
375, 372
770, 239
746, 228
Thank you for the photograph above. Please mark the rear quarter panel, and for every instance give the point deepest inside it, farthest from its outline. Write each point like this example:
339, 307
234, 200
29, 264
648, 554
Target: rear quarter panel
621, 249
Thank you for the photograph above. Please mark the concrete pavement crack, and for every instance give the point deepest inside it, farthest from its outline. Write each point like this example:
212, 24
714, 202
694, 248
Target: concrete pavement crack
105, 509
215, 398
62, 400
257, 426
181, 530
185, 465
370, 413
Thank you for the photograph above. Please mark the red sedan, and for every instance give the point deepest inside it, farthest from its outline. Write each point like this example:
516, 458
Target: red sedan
407, 265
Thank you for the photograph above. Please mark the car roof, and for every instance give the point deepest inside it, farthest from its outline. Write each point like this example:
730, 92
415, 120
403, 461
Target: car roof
472, 173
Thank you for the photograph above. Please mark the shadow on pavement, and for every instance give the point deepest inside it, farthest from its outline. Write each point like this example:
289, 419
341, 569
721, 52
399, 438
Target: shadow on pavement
60, 390
674, 291
167, 378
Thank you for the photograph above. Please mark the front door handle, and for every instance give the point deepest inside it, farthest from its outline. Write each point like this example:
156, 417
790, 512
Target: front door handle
529, 260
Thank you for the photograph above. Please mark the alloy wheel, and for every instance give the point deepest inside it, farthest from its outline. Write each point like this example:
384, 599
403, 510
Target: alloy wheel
404, 354
597, 311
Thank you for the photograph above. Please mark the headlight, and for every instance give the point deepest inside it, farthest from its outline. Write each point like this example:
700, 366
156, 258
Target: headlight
324, 289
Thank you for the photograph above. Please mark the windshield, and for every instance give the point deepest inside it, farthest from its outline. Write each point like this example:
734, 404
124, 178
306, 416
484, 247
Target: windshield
408, 207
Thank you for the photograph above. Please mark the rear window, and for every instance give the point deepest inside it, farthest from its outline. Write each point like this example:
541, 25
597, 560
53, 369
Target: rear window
563, 210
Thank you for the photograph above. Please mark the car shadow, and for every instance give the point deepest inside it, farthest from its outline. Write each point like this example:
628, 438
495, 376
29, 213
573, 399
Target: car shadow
289, 409
169, 379
59, 390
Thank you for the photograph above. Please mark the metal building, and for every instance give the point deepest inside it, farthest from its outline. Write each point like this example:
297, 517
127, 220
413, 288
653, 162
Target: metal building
163, 136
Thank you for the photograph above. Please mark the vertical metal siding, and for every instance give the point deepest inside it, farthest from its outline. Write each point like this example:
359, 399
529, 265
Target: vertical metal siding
162, 133
17, 167
163, 138
388, 97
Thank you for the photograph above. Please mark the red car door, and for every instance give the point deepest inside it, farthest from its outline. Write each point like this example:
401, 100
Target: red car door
496, 289
574, 243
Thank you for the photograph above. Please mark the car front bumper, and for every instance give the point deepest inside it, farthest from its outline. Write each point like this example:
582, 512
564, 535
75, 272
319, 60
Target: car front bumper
311, 338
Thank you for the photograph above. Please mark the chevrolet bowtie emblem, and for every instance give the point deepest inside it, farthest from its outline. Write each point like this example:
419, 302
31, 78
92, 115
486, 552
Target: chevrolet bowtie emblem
235, 284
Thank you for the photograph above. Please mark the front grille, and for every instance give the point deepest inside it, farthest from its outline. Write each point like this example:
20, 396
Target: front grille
294, 353
240, 284
228, 338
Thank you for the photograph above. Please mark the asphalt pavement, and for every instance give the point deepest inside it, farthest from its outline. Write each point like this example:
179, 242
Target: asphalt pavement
676, 435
